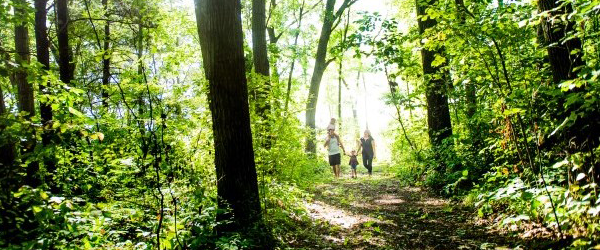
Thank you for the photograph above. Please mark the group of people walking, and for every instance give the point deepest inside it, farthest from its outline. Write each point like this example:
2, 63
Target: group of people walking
366, 146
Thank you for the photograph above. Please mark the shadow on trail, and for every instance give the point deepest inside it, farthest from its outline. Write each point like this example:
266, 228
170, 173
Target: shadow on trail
377, 213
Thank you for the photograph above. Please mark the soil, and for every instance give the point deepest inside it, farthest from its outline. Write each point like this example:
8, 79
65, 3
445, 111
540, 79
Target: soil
377, 212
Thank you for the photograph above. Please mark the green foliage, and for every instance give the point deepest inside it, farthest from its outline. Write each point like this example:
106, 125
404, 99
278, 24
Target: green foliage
510, 122
139, 170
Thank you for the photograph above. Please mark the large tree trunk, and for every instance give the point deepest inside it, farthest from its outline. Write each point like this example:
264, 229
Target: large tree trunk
438, 113
221, 41
318, 71
106, 57
554, 30
62, 33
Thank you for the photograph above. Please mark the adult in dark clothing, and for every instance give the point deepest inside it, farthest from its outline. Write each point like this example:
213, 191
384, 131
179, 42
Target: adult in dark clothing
367, 144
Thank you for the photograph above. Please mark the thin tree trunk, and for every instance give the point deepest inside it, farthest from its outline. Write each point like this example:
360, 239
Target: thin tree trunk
43, 56
393, 85
140, 100
221, 41
62, 33
339, 103
438, 113
106, 57
295, 54
340, 70
355, 102
65, 65
2, 106
470, 89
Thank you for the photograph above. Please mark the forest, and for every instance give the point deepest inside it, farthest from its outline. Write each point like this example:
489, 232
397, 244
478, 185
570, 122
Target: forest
205, 124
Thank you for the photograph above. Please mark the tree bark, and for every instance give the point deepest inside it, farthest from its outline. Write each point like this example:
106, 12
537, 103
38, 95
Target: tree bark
2, 106
43, 56
221, 41
554, 29
25, 89
340, 70
438, 113
62, 34
470, 89
262, 86
259, 38
106, 57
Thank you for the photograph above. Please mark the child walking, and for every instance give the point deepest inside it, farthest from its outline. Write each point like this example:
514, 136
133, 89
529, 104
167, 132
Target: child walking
353, 162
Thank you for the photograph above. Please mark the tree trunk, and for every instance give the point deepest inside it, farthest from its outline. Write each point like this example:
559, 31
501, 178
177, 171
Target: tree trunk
438, 113
106, 57
25, 90
294, 55
340, 70
319, 69
563, 63
262, 86
470, 89
62, 33
221, 41
2, 106
565, 57
259, 38
339, 104
139, 40
43, 56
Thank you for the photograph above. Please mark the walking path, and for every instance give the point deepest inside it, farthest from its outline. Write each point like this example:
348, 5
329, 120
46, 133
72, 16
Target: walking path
378, 213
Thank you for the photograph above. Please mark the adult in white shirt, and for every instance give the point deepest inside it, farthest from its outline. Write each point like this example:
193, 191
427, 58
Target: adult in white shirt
333, 145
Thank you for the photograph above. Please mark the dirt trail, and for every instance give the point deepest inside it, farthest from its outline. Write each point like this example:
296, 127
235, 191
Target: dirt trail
378, 213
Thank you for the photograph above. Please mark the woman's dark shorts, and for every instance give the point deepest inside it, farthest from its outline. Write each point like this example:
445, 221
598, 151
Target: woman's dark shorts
334, 159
